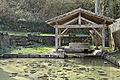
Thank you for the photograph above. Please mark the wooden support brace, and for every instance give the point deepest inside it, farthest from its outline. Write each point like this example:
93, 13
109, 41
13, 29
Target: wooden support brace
97, 32
63, 32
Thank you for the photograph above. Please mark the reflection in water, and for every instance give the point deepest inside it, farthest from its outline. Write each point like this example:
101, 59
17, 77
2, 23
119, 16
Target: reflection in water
59, 69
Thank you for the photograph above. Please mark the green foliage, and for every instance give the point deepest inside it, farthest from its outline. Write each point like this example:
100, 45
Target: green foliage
29, 15
100, 47
6, 49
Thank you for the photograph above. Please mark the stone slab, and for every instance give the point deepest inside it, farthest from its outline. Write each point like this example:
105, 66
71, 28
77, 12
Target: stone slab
79, 45
10, 55
34, 56
23, 56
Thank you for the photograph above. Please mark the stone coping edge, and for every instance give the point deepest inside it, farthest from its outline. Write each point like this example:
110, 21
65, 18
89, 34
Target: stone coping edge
40, 56
111, 59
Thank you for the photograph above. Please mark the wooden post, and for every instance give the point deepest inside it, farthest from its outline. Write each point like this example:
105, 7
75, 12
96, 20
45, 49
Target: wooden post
103, 37
56, 37
92, 36
59, 38
79, 20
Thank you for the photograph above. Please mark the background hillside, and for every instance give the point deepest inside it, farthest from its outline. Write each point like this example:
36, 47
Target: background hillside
16, 13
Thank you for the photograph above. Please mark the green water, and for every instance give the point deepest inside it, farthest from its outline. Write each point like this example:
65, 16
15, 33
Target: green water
58, 69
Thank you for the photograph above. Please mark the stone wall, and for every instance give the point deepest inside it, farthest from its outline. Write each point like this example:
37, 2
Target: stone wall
50, 40
115, 35
28, 41
4, 40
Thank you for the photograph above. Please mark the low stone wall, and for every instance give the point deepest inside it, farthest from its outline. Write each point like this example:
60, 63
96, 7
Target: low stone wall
4, 40
50, 40
7, 40
47, 40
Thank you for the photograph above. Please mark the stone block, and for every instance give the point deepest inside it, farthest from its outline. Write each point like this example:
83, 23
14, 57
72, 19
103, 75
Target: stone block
53, 56
23, 56
34, 56
79, 45
10, 55
73, 50
1, 56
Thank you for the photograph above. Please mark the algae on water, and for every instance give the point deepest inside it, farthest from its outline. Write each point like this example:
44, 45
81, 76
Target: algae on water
59, 69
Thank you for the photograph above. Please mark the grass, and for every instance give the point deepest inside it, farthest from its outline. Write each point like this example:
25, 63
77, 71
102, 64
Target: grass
6, 50
100, 47
38, 49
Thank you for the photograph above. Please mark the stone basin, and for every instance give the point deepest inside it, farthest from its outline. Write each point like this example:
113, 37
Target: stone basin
79, 45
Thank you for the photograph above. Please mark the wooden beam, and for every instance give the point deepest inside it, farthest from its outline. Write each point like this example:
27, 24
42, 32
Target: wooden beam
79, 26
79, 20
56, 37
71, 21
88, 21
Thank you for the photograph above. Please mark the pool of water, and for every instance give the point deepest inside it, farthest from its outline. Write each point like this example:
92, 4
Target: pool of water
58, 69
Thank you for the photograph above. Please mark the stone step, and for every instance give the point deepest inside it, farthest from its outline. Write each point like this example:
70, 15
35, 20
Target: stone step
18, 37
25, 44
22, 41
29, 46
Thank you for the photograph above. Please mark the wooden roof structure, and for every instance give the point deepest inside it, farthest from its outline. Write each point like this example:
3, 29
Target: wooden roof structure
62, 19
73, 20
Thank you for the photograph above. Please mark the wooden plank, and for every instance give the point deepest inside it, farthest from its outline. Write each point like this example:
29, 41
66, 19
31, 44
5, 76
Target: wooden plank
79, 26
71, 21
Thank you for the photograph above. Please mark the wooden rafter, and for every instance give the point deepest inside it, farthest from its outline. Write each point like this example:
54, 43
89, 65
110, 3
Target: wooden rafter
88, 21
71, 21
